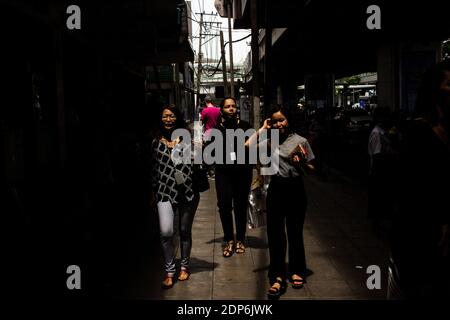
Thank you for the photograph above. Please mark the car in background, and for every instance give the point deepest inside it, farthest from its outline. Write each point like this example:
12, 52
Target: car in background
352, 126
357, 120
353, 119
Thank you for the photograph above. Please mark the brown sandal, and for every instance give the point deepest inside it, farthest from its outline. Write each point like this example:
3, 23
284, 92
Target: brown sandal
167, 283
184, 274
240, 248
228, 249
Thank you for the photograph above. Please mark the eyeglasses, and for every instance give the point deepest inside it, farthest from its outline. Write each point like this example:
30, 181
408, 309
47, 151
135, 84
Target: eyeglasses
169, 116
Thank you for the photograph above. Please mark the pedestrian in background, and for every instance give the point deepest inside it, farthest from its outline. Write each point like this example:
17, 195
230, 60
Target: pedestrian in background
317, 138
209, 118
419, 264
383, 169
176, 200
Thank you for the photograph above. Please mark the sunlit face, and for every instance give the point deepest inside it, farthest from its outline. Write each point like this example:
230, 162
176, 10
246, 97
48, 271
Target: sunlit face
229, 107
168, 119
279, 121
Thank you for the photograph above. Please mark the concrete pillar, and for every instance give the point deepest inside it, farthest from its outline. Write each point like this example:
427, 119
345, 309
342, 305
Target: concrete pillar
388, 76
256, 106
415, 59
400, 68
267, 70
60, 105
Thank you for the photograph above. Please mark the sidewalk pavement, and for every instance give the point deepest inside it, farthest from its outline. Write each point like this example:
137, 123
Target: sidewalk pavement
339, 245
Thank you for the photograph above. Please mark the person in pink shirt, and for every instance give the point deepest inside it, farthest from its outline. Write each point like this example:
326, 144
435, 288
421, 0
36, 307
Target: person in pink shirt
209, 116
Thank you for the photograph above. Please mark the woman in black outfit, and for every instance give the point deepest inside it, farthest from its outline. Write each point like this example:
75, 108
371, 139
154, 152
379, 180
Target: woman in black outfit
286, 202
233, 181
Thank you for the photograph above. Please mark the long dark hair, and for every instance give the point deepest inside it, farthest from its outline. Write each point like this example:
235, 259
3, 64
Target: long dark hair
179, 124
429, 95
292, 115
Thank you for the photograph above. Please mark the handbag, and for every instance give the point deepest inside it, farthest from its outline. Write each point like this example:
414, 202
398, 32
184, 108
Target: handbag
200, 182
256, 212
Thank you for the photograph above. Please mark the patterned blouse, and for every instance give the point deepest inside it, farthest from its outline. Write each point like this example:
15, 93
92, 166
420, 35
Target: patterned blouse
165, 174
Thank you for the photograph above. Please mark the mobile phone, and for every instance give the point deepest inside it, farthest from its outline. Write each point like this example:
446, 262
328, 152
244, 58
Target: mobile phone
302, 150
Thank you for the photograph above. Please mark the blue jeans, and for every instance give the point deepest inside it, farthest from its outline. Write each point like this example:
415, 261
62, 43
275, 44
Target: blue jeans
176, 219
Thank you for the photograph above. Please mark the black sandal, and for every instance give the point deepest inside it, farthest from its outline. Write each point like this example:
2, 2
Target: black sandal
277, 289
297, 281
228, 249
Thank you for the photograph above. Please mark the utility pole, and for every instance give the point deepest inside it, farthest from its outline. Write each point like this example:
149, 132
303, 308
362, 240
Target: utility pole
255, 64
231, 48
177, 85
267, 91
224, 64
199, 66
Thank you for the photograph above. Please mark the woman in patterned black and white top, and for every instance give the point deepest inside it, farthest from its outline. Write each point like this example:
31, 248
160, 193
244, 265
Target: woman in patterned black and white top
176, 199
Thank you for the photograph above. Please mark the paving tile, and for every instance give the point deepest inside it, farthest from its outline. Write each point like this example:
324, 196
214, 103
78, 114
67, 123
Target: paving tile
334, 242
323, 269
200, 262
234, 275
321, 289
201, 250
337, 236
239, 290
190, 290
297, 294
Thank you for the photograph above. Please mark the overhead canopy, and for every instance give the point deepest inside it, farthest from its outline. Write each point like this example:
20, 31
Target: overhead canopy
133, 31
332, 36
399, 19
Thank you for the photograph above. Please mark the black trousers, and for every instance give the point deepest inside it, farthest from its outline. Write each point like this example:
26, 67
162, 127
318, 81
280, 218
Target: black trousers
286, 207
233, 188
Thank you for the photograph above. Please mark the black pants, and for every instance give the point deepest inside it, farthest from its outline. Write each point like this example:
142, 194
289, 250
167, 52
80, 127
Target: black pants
286, 207
233, 187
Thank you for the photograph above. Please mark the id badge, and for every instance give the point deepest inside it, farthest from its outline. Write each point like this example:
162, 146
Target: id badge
179, 178
233, 156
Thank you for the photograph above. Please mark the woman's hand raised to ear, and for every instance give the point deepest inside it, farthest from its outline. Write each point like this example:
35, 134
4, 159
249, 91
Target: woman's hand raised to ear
254, 137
